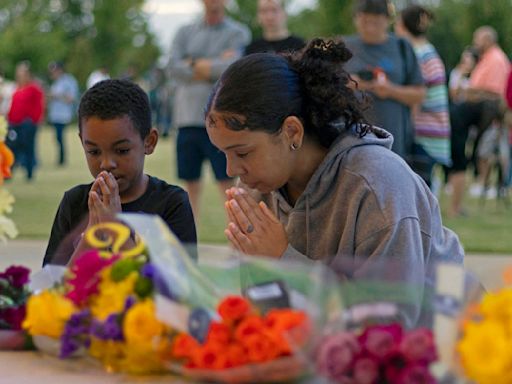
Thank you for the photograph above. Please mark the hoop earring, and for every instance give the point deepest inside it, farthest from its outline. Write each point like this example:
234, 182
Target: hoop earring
294, 146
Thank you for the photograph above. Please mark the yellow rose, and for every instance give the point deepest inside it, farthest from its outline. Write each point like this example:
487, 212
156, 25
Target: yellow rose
109, 352
140, 325
112, 295
143, 358
485, 352
47, 314
497, 305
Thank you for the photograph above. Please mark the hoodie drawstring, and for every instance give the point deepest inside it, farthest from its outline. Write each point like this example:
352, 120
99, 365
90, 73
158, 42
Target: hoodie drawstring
307, 225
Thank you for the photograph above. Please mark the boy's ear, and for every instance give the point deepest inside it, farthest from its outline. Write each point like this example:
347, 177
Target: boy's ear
150, 141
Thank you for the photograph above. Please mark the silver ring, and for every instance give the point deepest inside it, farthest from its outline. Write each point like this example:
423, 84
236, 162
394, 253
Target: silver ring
250, 229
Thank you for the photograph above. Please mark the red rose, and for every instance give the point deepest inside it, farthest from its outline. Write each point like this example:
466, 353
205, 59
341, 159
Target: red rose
418, 346
415, 374
366, 370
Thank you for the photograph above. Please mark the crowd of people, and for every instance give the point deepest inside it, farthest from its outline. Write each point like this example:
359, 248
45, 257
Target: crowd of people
397, 78
433, 116
335, 142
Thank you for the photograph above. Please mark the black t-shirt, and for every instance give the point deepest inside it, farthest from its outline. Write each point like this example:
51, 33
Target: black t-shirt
168, 201
291, 43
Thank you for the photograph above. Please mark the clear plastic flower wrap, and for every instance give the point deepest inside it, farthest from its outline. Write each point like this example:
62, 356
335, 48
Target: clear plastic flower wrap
239, 318
151, 307
395, 328
482, 351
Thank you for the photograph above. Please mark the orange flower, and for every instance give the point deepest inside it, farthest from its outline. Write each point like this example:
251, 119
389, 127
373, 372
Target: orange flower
284, 319
219, 333
235, 354
252, 325
288, 324
6, 161
233, 308
184, 346
210, 356
260, 348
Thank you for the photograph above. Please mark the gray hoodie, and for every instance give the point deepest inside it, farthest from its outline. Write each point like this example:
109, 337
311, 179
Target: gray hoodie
365, 213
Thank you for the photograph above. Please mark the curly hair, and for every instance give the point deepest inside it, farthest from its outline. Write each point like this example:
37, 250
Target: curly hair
115, 98
259, 91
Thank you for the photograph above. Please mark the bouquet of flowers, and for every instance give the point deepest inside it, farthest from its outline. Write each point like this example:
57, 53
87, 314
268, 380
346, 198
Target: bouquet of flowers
240, 319
103, 305
13, 297
483, 349
378, 354
151, 308
7, 226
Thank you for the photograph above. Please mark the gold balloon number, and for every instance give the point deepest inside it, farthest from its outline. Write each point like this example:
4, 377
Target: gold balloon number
117, 237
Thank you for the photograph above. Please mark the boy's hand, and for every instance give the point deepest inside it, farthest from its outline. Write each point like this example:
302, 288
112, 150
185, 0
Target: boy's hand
253, 228
104, 201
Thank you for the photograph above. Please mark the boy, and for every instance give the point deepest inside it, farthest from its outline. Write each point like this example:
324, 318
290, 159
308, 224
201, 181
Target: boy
114, 121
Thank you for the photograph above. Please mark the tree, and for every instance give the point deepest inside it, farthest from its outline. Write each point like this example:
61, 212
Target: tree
83, 33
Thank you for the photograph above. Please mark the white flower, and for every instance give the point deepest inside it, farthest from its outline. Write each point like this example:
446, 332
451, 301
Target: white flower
6, 201
7, 229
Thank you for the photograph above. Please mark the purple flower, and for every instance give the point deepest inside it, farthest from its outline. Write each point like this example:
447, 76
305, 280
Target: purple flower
130, 300
17, 275
381, 340
336, 355
13, 316
110, 329
148, 270
415, 374
418, 346
76, 333
151, 272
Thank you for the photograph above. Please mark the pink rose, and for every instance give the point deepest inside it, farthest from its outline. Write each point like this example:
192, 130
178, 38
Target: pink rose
366, 370
336, 355
418, 346
381, 340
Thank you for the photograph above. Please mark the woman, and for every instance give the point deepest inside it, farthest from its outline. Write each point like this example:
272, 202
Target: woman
431, 118
330, 188
25, 115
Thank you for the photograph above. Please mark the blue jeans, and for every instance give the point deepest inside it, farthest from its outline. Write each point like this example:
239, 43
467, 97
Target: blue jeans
59, 135
21, 139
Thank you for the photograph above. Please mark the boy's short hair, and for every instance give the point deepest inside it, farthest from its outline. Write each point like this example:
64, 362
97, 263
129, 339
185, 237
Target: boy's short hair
115, 98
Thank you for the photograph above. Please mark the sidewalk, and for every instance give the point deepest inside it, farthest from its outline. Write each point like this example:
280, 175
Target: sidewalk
488, 268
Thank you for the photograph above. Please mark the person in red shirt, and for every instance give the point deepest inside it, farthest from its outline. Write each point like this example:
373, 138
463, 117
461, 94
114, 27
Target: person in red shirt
25, 114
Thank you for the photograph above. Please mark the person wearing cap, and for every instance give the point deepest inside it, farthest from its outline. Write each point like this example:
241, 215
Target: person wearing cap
385, 66
62, 100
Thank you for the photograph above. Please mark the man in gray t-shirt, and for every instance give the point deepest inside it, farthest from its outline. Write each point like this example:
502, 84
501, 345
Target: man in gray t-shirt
201, 51
386, 67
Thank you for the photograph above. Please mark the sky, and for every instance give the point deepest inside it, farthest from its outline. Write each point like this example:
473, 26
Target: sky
166, 16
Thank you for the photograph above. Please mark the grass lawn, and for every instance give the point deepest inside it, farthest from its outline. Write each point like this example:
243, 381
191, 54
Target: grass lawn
37, 201
486, 229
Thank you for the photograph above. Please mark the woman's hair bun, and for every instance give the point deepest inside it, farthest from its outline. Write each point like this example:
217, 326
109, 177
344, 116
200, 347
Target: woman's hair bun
327, 50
